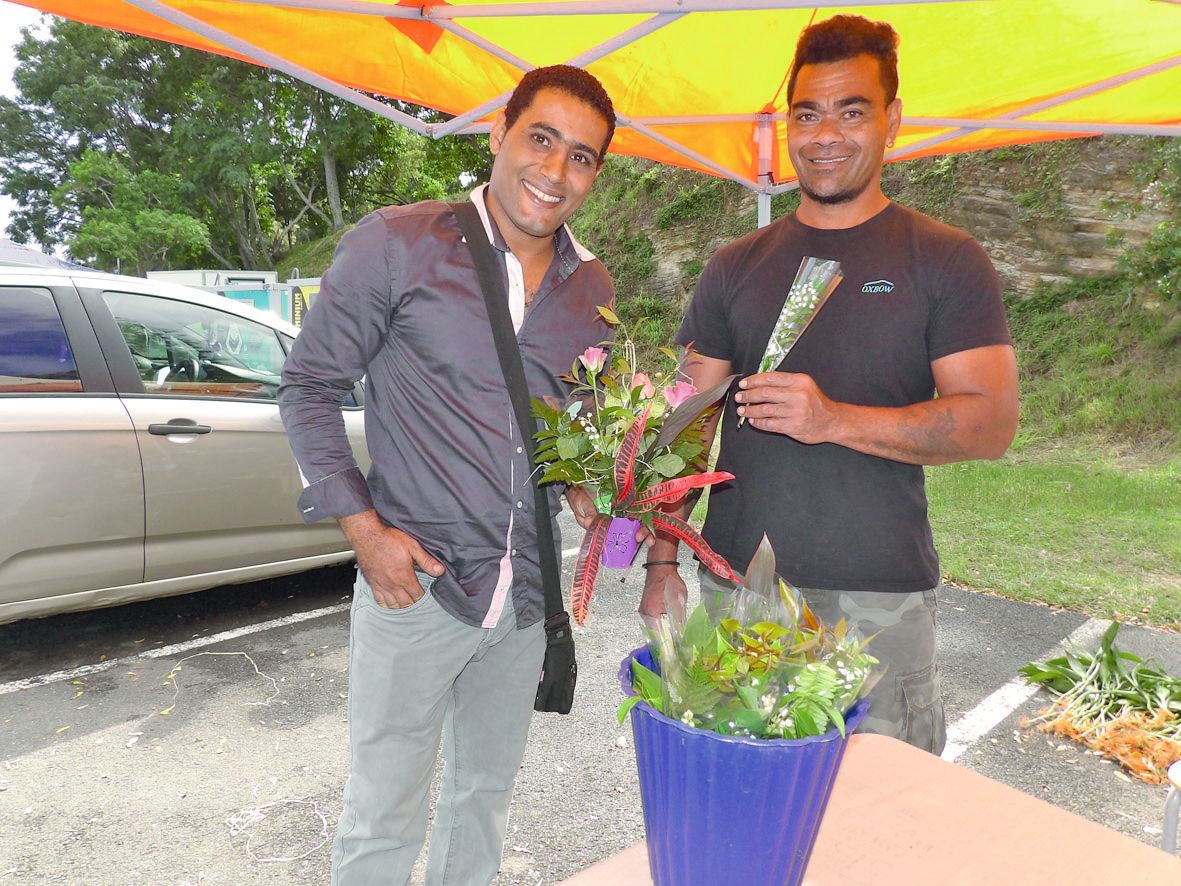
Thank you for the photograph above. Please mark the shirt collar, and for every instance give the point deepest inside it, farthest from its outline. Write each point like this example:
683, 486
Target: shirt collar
564, 241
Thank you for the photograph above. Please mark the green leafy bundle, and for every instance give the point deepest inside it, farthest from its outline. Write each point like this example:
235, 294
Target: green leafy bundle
1115, 703
767, 667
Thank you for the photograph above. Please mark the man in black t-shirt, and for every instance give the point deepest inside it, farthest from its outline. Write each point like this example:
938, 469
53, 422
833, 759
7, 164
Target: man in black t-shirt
829, 461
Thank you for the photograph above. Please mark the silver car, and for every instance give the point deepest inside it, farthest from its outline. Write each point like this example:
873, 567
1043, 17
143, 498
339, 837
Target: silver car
141, 451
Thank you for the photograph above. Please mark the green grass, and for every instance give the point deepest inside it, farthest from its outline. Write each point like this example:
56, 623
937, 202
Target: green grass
312, 259
1098, 362
1078, 532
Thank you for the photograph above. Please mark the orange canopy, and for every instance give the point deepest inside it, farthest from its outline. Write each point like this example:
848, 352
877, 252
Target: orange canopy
700, 83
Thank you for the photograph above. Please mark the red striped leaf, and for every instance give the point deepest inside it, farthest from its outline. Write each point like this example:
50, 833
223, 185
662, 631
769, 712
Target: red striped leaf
625, 460
686, 533
674, 490
586, 570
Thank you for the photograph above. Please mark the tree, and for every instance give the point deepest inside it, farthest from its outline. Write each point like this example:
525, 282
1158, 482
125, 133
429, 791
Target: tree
124, 219
256, 160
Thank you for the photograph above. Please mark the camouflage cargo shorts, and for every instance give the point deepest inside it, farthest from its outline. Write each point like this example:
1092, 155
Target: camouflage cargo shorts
906, 703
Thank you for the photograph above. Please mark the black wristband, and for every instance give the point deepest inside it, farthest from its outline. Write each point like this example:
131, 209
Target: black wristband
661, 563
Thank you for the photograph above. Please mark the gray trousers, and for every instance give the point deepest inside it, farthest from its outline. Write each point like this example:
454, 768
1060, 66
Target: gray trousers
415, 675
906, 703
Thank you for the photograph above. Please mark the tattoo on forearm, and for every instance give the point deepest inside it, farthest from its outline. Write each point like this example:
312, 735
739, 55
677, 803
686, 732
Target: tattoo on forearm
927, 436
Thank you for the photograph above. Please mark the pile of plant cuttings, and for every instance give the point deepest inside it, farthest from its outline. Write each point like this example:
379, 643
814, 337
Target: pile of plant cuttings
1114, 702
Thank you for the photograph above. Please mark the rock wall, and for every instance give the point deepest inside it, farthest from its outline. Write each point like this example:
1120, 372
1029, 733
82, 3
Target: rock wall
1050, 214
1044, 212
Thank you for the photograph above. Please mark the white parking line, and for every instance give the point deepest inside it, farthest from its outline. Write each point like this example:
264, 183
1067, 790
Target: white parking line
961, 735
165, 651
983, 718
175, 648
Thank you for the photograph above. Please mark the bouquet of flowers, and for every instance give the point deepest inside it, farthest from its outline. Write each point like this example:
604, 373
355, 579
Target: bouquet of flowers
815, 281
636, 441
764, 665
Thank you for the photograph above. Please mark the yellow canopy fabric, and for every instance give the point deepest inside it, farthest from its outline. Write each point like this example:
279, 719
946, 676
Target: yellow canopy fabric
700, 83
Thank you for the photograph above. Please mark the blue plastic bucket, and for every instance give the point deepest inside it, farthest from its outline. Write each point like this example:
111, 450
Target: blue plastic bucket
729, 809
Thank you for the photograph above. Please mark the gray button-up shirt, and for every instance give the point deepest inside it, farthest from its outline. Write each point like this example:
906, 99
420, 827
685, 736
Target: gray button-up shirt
401, 305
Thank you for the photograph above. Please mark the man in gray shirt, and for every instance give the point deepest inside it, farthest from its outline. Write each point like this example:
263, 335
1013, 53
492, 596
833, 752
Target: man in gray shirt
447, 635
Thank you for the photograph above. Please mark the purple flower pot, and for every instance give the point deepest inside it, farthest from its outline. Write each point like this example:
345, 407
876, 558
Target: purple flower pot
620, 547
729, 809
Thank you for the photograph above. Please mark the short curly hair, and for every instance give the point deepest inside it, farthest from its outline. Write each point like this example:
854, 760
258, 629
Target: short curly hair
574, 82
843, 37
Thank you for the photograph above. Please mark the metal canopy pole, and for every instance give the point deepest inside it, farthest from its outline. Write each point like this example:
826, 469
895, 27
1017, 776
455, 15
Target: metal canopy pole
1012, 120
624, 38
764, 135
270, 60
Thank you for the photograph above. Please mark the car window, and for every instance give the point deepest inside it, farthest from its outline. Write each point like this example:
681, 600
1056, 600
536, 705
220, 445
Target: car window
35, 355
183, 348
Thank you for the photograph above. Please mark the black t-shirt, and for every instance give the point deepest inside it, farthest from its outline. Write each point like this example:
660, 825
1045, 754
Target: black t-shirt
913, 291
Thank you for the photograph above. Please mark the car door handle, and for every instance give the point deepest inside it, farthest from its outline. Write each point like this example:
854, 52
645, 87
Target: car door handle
179, 426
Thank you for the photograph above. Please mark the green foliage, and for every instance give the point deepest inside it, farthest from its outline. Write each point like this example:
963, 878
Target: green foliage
653, 323
782, 204
267, 162
764, 666
1095, 363
607, 212
1071, 527
127, 219
1106, 686
700, 202
1115, 702
310, 259
928, 184
1155, 268
635, 263
1034, 174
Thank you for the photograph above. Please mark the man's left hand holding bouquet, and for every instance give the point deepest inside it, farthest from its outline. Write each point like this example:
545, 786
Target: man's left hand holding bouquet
580, 498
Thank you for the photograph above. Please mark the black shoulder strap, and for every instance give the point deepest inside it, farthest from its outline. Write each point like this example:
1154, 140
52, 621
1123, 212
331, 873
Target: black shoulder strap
509, 353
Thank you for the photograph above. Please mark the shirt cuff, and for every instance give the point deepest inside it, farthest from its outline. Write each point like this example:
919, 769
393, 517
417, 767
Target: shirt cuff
338, 495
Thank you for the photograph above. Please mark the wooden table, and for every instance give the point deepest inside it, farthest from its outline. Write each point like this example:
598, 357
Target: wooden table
898, 815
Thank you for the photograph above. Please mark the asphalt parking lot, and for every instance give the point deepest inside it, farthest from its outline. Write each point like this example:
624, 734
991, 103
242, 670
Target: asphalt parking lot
209, 747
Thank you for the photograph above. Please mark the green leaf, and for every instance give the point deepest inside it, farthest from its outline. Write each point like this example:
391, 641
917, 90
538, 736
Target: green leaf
752, 721
699, 630
628, 703
749, 697
760, 573
668, 465
570, 447
647, 683
804, 716
608, 315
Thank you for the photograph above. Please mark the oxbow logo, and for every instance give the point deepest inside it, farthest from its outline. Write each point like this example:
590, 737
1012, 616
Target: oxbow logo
875, 286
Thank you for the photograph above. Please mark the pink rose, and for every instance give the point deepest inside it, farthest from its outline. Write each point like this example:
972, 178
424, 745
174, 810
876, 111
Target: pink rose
641, 380
678, 393
593, 359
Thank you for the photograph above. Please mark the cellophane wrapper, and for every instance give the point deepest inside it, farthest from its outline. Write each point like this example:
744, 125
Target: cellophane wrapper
814, 283
805, 689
